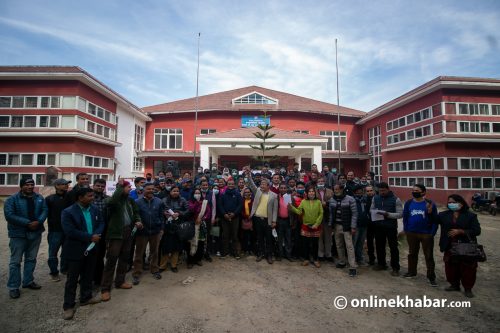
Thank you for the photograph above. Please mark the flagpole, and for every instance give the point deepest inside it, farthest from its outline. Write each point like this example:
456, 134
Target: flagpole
338, 102
196, 108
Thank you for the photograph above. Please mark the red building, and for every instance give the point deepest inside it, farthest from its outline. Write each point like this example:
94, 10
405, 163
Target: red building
306, 131
57, 116
444, 134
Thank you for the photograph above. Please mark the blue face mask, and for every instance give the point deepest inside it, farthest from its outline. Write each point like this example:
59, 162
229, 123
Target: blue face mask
454, 206
300, 191
216, 191
321, 186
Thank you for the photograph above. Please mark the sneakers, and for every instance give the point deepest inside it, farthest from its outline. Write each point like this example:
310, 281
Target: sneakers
433, 283
33, 286
125, 285
105, 296
55, 278
135, 280
468, 293
339, 265
352, 272
452, 288
409, 275
14, 293
69, 314
157, 275
395, 272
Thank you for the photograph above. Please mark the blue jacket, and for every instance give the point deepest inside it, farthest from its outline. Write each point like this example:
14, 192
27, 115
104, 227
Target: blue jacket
152, 217
416, 219
230, 202
75, 230
16, 214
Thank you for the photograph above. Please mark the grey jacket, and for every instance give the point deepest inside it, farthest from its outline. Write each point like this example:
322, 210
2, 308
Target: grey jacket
272, 203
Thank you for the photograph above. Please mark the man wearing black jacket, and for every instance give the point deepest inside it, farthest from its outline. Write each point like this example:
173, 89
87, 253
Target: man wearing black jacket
229, 206
56, 203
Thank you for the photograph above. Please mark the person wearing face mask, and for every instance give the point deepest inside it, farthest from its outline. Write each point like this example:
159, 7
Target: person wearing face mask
298, 195
312, 211
229, 206
420, 226
225, 174
139, 188
202, 213
458, 224
390, 208
325, 239
343, 218
207, 194
246, 223
284, 228
198, 176
370, 232
216, 241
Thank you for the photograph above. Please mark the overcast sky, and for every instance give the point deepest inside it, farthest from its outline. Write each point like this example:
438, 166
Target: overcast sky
146, 50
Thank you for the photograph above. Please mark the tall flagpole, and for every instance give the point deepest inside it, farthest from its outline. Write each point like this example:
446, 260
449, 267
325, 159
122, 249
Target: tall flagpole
196, 108
338, 102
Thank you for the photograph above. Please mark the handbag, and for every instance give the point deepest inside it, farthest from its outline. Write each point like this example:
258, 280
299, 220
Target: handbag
246, 224
470, 250
215, 231
185, 230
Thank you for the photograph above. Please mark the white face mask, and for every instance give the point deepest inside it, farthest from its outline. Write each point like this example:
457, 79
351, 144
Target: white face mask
216, 191
197, 196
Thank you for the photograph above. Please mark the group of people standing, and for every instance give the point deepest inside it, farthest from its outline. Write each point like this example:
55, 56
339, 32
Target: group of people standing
285, 214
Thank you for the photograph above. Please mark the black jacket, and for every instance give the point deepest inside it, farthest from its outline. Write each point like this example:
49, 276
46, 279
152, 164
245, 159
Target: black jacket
77, 238
56, 204
466, 221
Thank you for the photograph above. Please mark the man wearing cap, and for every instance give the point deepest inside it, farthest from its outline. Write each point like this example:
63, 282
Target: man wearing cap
83, 225
123, 217
25, 213
56, 203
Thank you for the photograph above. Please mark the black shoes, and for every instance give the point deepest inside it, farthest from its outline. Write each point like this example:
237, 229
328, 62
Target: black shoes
380, 268
33, 286
135, 280
395, 272
433, 283
259, 258
409, 275
14, 293
339, 265
452, 288
468, 293
352, 272
174, 269
269, 260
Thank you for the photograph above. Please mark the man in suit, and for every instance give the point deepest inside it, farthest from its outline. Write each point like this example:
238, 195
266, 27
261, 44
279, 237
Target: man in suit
82, 225
264, 214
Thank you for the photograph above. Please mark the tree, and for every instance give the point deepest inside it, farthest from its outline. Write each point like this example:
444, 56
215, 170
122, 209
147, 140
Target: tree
264, 134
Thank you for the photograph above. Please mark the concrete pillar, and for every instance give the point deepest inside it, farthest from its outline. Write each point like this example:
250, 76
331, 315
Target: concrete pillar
317, 158
298, 159
215, 158
204, 157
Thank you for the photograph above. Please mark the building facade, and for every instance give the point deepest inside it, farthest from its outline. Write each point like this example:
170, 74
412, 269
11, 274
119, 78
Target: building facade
65, 119
444, 134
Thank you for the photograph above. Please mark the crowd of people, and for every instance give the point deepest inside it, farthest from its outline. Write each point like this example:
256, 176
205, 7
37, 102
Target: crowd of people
305, 217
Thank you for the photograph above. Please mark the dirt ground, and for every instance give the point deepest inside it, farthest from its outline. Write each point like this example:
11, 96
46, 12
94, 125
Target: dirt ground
244, 296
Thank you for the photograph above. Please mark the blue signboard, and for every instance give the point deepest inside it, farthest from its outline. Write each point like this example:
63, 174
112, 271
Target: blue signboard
254, 121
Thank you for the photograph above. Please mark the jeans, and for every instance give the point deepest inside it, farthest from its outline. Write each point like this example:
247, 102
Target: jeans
18, 248
79, 271
359, 241
284, 237
55, 240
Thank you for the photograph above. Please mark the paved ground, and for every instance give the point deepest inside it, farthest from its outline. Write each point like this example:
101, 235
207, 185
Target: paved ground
245, 296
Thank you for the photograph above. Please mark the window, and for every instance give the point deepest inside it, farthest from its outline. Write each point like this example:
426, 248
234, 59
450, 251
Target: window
487, 183
301, 131
12, 179
89, 161
5, 102
3, 159
255, 98
374, 148
486, 164
205, 131
13, 159
476, 182
465, 163
411, 165
483, 109
99, 130
463, 109
65, 159
18, 102
420, 165
139, 138
428, 164
44, 102
107, 115
41, 159
82, 104
475, 163
495, 110
54, 121
2, 178
68, 122
168, 138
105, 163
90, 127
69, 102
16, 121
55, 102
4, 121
429, 182
51, 159
92, 109
138, 164
27, 159
30, 121
100, 112
496, 127
333, 141
31, 102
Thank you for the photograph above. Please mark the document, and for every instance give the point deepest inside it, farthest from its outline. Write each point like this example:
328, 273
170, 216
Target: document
377, 217
287, 198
